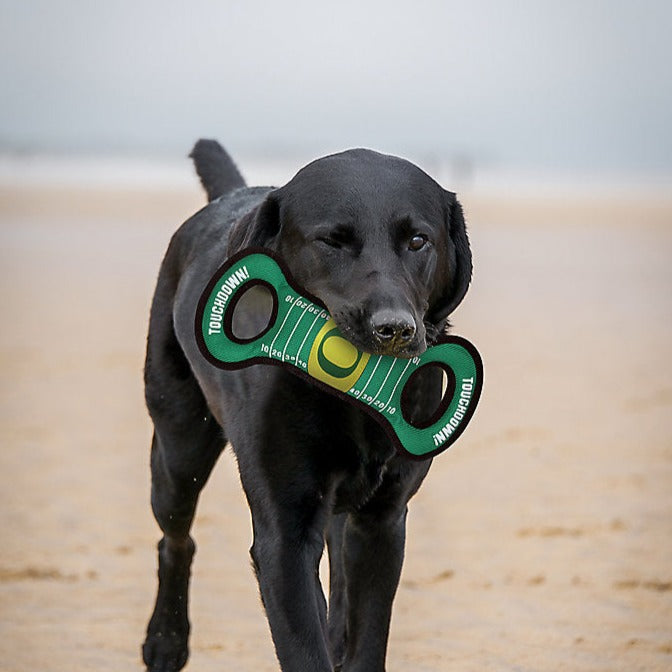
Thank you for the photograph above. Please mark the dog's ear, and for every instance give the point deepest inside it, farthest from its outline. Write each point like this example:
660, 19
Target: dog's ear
459, 266
259, 227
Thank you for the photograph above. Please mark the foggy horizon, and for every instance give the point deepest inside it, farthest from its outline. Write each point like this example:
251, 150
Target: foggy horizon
577, 87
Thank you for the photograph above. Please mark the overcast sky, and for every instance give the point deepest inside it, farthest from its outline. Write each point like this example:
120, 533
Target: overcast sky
562, 85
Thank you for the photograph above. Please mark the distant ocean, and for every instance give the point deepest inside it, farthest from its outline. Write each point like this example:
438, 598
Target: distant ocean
136, 172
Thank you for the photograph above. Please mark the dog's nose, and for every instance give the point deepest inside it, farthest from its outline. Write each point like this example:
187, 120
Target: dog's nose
393, 328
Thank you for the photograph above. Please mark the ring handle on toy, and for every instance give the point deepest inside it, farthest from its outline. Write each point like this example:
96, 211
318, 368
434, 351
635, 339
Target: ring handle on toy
301, 335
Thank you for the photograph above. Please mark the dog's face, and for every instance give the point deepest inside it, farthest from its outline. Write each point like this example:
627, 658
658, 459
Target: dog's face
379, 242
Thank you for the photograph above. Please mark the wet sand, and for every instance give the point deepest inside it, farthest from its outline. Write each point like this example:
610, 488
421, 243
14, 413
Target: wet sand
541, 541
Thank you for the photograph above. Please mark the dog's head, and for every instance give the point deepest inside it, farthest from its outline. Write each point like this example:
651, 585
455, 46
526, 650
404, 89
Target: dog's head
376, 239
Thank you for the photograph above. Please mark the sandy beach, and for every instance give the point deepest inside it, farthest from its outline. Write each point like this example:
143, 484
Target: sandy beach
541, 541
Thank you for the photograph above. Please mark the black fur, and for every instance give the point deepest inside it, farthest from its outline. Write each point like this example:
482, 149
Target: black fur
385, 248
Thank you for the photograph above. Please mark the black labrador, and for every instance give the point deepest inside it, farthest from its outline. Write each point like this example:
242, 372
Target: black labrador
384, 247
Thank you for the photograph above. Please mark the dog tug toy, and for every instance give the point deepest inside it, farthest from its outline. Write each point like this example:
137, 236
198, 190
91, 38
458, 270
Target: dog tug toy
302, 336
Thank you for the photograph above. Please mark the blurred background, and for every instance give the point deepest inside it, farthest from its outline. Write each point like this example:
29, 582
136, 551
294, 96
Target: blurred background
572, 89
542, 540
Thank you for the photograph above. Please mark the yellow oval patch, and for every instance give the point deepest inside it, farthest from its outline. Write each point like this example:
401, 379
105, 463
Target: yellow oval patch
335, 361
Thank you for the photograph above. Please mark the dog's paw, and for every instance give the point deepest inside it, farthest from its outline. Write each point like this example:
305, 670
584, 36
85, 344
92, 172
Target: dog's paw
165, 650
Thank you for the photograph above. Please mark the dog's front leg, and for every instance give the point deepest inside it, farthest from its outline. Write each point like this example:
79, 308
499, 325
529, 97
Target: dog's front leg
287, 547
373, 553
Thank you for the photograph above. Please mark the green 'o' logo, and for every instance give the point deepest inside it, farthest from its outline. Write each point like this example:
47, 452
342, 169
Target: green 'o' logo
336, 356
334, 360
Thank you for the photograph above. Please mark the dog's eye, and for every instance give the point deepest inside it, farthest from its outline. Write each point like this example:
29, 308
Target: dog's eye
417, 242
337, 238
330, 242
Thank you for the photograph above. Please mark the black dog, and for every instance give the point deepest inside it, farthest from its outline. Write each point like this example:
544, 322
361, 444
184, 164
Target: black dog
384, 247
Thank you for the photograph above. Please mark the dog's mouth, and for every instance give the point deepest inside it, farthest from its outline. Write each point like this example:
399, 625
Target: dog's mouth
400, 341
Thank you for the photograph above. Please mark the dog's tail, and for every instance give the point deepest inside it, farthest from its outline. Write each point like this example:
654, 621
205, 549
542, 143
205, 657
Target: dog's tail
216, 169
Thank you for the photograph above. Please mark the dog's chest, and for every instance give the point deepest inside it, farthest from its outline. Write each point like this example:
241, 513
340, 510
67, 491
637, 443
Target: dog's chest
356, 490
363, 464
